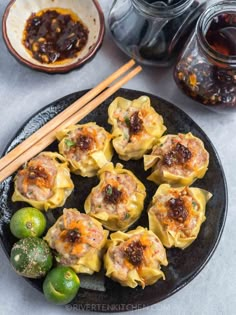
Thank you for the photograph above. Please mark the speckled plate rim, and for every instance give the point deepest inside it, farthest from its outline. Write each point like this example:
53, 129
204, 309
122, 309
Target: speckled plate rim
62, 69
148, 302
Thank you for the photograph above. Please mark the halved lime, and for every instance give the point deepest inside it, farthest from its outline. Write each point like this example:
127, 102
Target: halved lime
61, 285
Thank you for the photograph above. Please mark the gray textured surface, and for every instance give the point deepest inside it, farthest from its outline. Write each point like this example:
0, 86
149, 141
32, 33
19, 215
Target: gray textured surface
24, 91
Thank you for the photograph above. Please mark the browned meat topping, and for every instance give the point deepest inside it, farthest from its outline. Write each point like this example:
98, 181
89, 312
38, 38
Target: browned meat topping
112, 194
179, 155
136, 123
36, 175
84, 142
134, 253
72, 236
37, 171
177, 210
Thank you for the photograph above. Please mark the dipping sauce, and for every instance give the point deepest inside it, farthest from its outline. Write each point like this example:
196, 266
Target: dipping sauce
54, 35
207, 80
221, 34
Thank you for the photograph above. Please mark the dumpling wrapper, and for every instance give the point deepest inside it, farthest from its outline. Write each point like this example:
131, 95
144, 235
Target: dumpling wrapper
132, 203
84, 254
134, 146
89, 161
171, 232
61, 189
145, 269
179, 175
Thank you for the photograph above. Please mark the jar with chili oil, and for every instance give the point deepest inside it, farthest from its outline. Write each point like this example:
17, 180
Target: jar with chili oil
153, 31
206, 69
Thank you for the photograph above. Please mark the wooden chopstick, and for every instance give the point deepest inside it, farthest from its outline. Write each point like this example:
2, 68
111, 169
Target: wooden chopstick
22, 155
60, 118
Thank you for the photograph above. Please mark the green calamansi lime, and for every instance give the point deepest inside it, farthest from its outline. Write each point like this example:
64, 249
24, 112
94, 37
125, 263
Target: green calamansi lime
28, 222
61, 285
31, 257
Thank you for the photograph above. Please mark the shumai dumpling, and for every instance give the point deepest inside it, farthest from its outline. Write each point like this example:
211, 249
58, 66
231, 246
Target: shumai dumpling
176, 214
177, 160
44, 182
78, 241
86, 147
136, 127
134, 258
117, 201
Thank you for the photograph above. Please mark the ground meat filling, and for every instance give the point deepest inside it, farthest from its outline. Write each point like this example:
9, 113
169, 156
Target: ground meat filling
179, 155
36, 175
81, 142
134, 253
36, 180
177, 210
84, 142
112, 194
136, 123
73, 236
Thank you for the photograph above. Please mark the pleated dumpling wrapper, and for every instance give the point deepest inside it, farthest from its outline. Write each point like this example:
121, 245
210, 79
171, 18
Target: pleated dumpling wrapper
135, 258
86, 147
118, 200
177, 160
176, 214
136, 127
78, 241
44, 182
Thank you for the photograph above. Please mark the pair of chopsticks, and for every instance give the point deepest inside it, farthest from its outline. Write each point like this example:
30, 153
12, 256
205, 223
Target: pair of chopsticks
43, 137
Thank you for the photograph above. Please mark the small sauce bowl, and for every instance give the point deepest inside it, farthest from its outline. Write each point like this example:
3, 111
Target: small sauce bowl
18, 12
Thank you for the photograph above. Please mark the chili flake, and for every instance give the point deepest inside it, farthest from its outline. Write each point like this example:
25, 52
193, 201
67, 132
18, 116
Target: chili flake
177, 210
54, 35
112, 194
72, 236
84, 142
136, 123
179, 155
134, 253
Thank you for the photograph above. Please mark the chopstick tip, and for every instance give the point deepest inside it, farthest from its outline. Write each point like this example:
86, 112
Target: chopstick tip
138, 69
131, 62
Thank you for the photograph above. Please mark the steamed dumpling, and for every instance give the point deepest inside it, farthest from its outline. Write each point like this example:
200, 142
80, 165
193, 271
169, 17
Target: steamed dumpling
86, 148
78, 241
44, 182
135, 258
177, 160
176, 214
117, 201
136, 126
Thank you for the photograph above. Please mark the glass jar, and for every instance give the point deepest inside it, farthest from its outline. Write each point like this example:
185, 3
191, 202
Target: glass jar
152, 31
206, 70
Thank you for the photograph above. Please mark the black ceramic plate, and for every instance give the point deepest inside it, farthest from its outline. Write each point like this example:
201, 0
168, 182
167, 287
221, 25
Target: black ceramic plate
99, 293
